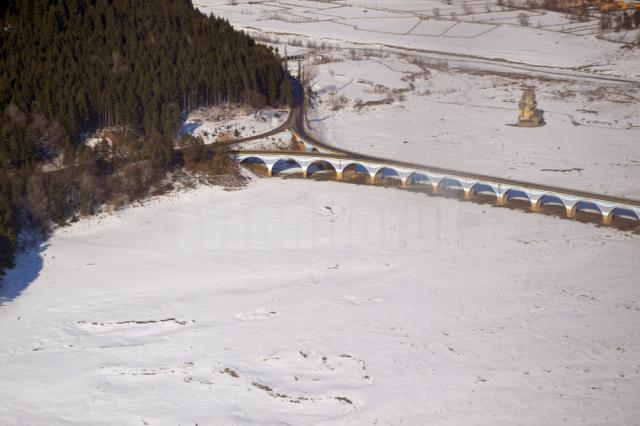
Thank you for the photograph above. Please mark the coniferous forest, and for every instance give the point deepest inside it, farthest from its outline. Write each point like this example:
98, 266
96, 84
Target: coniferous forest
70, 67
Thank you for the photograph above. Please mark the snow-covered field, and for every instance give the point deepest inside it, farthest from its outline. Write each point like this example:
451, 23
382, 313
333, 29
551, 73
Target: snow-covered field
295, 302
460, 119
485, 30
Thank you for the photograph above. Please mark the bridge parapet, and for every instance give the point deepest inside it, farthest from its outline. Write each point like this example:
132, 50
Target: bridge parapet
504, 191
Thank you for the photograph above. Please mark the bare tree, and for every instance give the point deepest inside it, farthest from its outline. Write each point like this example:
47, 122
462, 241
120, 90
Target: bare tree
435, 11
337, 102
36, 201
309, 75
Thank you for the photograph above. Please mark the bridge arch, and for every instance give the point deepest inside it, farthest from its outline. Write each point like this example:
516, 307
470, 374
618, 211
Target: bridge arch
588, 211
516, 194
483, 189
551, 204
387, 175
451, 187
625, 213
284, 164
420, 181
550, 200
359, 170
517, 198
585, 206
449, 183
418, 178
252, 161
321, 166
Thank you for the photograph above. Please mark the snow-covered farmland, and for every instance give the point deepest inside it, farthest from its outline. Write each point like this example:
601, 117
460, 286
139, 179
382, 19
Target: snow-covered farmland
316, 302
459, 119
483, 30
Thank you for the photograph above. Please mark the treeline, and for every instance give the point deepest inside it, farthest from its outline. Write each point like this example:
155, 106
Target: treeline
69, 67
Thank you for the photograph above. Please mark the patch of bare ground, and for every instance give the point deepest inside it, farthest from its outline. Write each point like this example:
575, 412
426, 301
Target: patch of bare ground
263, 387
211, 167
230, 372
296, 399
189, 179
258, 169
359, 105
139, 322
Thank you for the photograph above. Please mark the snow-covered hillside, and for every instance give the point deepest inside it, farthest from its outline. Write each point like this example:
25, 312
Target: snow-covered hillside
295, 302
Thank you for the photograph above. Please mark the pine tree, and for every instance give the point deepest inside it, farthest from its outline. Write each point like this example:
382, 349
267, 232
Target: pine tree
7, 233
72, 66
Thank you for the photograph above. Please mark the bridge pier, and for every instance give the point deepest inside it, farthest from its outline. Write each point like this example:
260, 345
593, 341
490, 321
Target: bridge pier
404, 178
607, 216
304, 166
435, 185
571, 212
467, 189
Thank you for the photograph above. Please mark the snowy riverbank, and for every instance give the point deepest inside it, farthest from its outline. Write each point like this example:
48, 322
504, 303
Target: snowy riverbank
296, 301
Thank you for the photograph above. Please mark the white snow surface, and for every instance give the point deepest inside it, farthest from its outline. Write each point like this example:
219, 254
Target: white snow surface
463, 120
295, 302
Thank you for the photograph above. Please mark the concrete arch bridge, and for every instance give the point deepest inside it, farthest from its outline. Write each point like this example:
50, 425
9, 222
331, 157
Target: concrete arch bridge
437, 180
